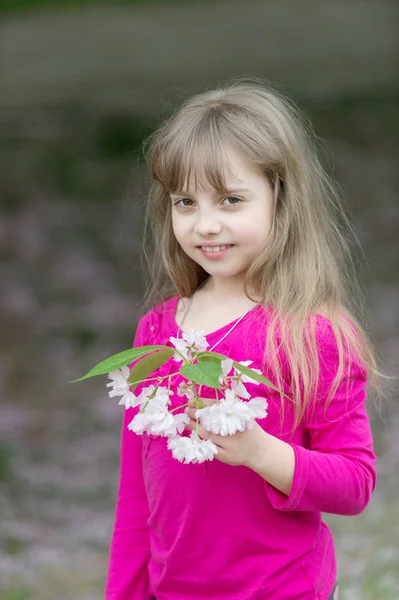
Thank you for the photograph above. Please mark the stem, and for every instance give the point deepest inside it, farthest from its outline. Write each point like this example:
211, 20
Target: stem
181, 406
146, 379
142, 409
161, 377
188, 362
199, 403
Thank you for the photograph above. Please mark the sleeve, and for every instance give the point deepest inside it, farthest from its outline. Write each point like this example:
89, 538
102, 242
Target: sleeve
336, 473
127, 577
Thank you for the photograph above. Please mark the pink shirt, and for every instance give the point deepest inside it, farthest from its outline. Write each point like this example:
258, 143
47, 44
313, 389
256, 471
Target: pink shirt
221, 532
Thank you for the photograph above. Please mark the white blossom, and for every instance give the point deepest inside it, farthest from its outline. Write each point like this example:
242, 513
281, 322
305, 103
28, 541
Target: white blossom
231, 414
192, 449
189, 344
157, 420
246, 378
154, 413
196, 340
258, 407
237, 385
162, 392
226, 417
120, 387
139, 423
169, 425
239, 389
227, 365
181, 346
185, 389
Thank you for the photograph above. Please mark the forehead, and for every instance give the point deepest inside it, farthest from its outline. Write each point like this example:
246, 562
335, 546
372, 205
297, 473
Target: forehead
224, 174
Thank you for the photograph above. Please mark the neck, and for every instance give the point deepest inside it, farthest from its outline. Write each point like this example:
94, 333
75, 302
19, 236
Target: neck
224, 288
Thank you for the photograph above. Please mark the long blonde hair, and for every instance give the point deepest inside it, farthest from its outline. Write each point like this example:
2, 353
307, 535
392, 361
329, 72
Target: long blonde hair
305, 268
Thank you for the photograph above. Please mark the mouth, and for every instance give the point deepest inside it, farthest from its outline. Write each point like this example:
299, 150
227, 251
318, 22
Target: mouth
215, 251
214, 246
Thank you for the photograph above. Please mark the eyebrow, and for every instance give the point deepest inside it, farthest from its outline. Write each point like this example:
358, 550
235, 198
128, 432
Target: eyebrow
231, 191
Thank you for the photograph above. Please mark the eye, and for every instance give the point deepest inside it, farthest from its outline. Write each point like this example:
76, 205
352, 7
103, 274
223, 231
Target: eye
183, 200
238, 200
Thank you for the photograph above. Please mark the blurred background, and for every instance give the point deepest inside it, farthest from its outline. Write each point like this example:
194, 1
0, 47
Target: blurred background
81, 85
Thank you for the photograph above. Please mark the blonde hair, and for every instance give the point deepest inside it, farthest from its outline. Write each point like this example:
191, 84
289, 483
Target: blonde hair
305, 268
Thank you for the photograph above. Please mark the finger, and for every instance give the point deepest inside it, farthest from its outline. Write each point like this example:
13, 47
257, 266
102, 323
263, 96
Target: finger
192, 424
208, 401
191, 415
207, 435
190, 412
203, 433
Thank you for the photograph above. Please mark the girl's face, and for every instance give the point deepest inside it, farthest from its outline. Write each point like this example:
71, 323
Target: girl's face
241, 217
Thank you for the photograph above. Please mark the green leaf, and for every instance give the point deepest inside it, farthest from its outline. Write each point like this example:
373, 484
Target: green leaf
147, 365
246, 370
204, 357
210, 355
253, 375
204, 372
116, 361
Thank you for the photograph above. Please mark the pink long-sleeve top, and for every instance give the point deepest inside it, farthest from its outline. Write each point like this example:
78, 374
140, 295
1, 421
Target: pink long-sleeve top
221, 532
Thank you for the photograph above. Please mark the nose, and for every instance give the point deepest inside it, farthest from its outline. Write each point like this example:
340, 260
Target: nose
207, 223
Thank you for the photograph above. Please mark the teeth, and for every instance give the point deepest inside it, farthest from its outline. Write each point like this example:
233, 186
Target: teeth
213, 248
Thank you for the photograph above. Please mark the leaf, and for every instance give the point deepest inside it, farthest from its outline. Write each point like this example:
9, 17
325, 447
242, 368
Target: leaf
116, 361
208, 355
253, 375
148, 365
246, 370
203, 358
204, 372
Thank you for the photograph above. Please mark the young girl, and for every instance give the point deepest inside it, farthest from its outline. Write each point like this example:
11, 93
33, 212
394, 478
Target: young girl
247, 229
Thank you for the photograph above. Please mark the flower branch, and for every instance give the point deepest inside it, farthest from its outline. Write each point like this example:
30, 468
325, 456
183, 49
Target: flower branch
233, 411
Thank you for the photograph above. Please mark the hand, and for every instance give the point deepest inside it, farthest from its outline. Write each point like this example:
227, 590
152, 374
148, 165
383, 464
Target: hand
242, 448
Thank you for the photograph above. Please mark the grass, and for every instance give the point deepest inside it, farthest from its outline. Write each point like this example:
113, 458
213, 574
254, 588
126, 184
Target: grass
15, 594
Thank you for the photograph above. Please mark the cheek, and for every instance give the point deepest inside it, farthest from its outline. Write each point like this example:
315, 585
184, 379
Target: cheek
255, 228
262, 230
178, 227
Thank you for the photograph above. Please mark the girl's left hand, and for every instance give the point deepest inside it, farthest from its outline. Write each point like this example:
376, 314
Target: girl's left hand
239, 449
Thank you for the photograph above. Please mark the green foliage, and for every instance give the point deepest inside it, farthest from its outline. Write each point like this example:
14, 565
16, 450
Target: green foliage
15, 594
116, 361
242, 368
148, 365
204, 372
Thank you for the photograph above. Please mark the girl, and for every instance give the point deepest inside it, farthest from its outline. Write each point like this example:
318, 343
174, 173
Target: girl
247, 229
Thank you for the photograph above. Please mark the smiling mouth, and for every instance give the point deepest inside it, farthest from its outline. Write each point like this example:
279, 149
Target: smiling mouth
215, 251
212, 249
